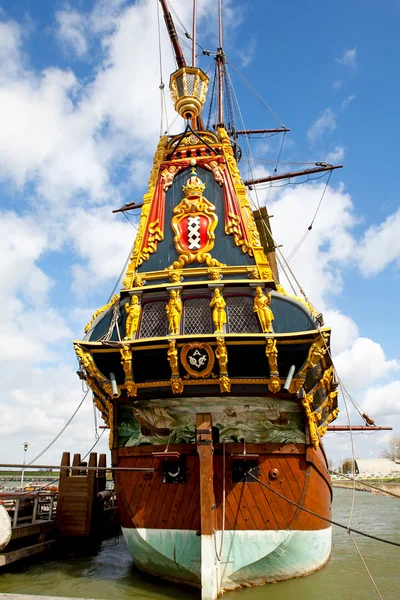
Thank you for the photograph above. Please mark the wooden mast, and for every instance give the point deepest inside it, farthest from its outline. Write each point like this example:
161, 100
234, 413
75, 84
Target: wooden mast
220, 65
173, 36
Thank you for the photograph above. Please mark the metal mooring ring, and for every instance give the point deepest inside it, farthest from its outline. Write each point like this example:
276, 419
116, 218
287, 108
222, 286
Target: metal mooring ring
274, 473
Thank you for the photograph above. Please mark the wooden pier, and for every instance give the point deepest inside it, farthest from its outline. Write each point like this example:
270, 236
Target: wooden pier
82, 509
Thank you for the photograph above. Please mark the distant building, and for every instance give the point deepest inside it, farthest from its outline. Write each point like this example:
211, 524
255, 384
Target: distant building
380, 467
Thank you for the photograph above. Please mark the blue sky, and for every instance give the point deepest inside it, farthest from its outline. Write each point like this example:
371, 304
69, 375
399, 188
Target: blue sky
79, 122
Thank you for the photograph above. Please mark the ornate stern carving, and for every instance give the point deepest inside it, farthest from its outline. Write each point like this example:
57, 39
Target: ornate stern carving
177, 386
224, 384
271, 352
312, 419
126, 362
263, 311
175, 277
250, 233
132, 309
99, 386
317, 351
218, 305
214, 274
101, 310
222, 356
174, 311
198, 359
193, 223
274, 384
172, 356
150, 231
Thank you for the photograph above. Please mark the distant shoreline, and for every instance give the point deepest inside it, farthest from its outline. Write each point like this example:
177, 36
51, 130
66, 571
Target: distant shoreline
393, 487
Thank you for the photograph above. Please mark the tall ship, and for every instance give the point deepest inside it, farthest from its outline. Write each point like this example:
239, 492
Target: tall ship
216, 384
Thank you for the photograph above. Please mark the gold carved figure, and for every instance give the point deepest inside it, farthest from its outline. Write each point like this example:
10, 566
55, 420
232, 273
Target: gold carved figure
133, 311
217, 171
177, 386
167, 176
274, 384
264, 313
271, 352
214, 274
218, 305
172, 355
222, 356
126, 361
224, 384
174, 311
175, 277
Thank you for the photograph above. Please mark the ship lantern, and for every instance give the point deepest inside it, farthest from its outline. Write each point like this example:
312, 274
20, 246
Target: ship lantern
188, 88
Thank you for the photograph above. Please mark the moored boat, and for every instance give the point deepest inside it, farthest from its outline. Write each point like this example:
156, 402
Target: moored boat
211, 376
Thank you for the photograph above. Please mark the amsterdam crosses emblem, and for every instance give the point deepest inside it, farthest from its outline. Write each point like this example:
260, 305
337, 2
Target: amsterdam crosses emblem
198, 359
193, 223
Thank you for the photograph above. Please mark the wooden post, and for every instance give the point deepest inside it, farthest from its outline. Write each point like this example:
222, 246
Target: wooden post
209, 577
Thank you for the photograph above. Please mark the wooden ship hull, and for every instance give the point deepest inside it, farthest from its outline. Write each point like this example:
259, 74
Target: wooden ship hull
186, 533
213, 380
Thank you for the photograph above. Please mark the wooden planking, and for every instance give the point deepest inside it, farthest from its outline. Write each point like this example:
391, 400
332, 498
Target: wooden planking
151, 503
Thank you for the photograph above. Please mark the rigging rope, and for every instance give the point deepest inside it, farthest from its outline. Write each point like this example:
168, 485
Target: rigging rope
365, 565
212, 97
257, 95
303, 239
219, 554
60, 432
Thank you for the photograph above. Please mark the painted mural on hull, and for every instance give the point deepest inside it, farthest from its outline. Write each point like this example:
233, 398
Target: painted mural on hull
173, 420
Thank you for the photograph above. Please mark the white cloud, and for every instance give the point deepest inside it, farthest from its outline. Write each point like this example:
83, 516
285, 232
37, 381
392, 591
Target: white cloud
348, 100
249, 52
323, 124
71, 30
364, 363
349, 58
336, 156
380, 246
337, 84
383, 400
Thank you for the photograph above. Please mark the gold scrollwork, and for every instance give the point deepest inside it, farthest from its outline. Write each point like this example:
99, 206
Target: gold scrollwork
147, 198
312, 419
194, 205
316, 352
95, 380
197, 361
250, 224
324, 428
101, 310
253, 273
